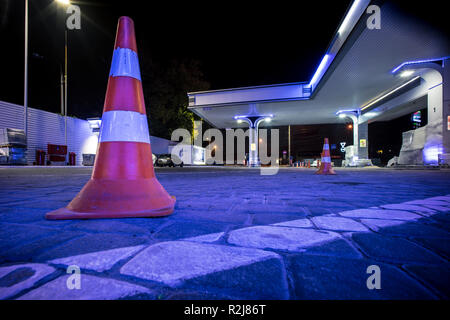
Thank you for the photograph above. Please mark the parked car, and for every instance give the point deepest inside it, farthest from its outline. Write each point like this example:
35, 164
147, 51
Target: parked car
168, 160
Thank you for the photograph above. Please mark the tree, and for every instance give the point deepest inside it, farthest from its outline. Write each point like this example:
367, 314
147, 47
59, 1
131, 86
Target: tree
165, 85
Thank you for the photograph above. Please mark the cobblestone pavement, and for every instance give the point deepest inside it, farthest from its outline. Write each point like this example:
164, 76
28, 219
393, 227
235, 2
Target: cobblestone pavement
235, 234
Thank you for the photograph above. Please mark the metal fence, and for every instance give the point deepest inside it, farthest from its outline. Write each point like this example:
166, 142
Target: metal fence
46, 127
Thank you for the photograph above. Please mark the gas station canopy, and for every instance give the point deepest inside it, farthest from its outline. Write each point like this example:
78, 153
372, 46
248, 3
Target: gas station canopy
358, 71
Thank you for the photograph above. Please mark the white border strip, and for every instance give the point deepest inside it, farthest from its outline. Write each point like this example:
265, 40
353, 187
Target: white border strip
127, 126
125, 63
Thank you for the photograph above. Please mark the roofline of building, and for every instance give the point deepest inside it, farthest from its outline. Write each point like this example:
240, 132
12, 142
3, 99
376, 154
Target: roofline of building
247, 88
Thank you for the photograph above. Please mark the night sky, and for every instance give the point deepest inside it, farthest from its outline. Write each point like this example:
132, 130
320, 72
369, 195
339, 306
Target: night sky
237, 45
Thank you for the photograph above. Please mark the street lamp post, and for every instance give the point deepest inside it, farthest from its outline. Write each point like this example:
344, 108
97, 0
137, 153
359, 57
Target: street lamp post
64, 108
65, 86
25, 85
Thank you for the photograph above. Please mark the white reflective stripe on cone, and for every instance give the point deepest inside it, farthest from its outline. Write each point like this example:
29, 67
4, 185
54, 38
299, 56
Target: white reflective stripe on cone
326, 159
124, 126
125, 63
326, 147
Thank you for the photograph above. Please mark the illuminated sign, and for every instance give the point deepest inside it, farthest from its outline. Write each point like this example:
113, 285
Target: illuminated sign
343, 146
363, 143
416, 119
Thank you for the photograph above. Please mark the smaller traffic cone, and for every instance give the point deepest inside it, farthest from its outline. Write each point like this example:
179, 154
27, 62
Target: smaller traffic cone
325, 164
309, 164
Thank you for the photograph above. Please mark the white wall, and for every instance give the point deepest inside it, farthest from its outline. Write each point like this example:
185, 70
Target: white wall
46, 127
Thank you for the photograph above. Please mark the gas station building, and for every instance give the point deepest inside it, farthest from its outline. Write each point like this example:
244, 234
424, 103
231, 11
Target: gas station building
367, 74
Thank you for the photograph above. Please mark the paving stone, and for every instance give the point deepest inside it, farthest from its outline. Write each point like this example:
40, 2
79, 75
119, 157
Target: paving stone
428, 202
338, 224
412, 229
443, 219
395, 250
30, 251
17, 214
441, 198
409, 207
156, 263
151, 225
438, 245
437, 277
320, 277
182, 229
98, 261
380, 214
92, 243
244, 282
438, 208
220, 216
263, 219
207, 238
12, 235
279, 238
319, 209
378, 224
105, 225
299, 223
42, 204
14, 279
180, 294
337, 248
92, 288
269, 209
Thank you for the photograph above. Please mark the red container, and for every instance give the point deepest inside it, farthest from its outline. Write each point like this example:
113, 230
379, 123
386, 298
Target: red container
56, 158
72, 158
56, 149
40, 157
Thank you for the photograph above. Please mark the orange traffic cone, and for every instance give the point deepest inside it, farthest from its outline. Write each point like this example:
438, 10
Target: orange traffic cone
325, 164
123, 182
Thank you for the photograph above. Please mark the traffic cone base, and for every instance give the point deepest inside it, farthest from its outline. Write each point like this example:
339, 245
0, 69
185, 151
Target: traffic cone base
101, 198
325, 169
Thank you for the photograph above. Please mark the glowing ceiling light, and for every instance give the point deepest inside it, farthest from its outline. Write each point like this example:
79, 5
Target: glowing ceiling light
389, 93
319, 70
406, 73
418, 62
348, 17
